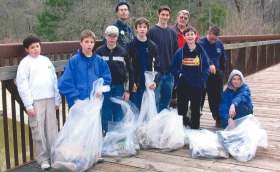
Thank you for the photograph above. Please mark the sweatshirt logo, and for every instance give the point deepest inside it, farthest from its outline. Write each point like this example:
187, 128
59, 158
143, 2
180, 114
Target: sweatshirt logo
191, 61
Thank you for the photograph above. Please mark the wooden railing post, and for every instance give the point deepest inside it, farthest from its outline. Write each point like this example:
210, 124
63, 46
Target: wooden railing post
277, 52
241, 61
5, 125
251, 64
22, 132
14, 129
30, 144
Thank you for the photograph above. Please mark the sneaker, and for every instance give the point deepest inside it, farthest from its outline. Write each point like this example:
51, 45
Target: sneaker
100, 160
45, 166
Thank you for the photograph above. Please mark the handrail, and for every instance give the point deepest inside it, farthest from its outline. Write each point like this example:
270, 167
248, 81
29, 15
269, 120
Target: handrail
249, 44
248, 38
9, 72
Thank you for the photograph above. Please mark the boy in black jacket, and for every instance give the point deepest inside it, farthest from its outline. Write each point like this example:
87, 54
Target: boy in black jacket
143, 53
122, 77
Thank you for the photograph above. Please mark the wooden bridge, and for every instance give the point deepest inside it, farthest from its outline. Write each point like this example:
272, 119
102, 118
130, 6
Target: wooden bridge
257, 57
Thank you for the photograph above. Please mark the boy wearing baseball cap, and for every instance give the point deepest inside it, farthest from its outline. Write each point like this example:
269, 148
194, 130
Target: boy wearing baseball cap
120, 67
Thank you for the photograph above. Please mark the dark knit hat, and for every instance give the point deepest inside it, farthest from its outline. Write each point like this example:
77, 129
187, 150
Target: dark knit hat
122, 3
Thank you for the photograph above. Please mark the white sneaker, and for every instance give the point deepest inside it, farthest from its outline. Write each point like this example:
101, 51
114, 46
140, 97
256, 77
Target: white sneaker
45, 166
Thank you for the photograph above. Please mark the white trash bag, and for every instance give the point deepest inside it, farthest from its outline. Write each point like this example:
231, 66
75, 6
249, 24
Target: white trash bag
205, 144
121, 140
164, 130
148, 105
242, 140
79, 143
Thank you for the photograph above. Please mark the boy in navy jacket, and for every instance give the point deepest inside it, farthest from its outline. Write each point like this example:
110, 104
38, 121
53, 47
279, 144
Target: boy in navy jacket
190, 69
214, 85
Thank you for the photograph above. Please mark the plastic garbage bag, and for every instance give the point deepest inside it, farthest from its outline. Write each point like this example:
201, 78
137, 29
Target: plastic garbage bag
148, 105
79, 143
242, 140
205, 144
164, 130
121, 140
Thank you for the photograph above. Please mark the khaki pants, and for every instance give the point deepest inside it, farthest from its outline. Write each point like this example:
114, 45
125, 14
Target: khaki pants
44, 129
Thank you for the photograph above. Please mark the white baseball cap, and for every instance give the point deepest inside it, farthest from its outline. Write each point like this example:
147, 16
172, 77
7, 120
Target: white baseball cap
112, 30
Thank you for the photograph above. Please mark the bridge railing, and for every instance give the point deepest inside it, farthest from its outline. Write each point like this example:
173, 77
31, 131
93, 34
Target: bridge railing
246, 53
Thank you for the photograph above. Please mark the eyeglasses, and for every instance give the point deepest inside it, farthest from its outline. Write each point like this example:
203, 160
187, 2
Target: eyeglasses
183, 17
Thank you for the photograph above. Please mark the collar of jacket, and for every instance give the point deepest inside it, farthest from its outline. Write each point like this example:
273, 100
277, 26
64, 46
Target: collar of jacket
112, 50
198, 47
135, 41
121, 24
82, 55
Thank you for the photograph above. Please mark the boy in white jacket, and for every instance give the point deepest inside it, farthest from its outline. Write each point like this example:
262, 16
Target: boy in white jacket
37, 86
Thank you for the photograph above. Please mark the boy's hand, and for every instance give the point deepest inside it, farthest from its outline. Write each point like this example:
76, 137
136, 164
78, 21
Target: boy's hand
232, 111
153, 85
126, 96
212, 69
31, 112
57, 107
98, 94
231, 123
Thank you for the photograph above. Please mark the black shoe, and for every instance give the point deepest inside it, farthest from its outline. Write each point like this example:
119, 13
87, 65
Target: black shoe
186, 121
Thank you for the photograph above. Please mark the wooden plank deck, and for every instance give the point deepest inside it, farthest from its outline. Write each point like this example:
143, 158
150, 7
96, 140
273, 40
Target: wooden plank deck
265, 87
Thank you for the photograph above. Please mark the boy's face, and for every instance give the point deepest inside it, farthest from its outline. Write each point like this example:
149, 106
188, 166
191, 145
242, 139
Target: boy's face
34, 49
236, 81
190, 37
111, 40
164, 16
141, 30
123, 12
211, 37
87, 45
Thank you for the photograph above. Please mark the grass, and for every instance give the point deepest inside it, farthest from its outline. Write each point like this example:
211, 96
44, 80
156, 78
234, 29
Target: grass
11, 144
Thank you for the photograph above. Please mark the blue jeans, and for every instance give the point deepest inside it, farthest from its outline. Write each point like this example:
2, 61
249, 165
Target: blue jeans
163, 91
111, 112
136, 98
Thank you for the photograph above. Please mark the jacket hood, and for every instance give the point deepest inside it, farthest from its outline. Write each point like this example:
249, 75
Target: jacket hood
232, 74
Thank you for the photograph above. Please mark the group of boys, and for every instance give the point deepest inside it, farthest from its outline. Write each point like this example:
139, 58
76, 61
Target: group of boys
121, 61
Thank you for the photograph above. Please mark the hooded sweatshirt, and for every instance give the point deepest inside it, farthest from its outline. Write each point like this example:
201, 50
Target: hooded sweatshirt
79, 74
191, 65
241, 98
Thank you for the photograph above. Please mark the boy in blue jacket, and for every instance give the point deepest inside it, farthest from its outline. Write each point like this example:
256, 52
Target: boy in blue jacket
82, 69
236, 99
190, 70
